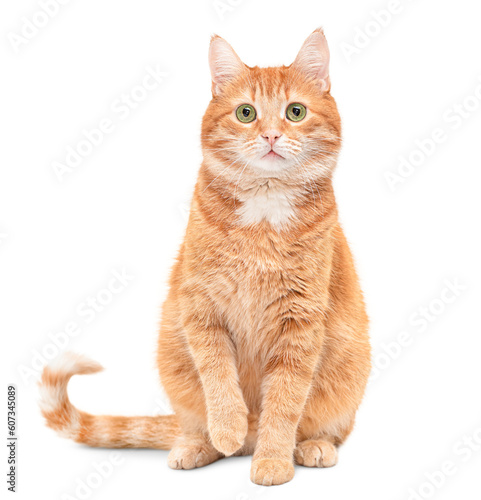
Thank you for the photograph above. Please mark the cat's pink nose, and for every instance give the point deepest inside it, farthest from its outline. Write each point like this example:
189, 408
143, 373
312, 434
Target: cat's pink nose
271, 136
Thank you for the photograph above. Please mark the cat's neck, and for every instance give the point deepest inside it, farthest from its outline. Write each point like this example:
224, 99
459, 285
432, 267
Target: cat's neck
268, 202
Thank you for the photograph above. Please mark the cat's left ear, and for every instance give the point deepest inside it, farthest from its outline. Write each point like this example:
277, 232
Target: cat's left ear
225, 64
313, 59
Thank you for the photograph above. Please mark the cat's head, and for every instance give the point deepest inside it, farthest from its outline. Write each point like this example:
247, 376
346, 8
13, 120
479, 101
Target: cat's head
271, 122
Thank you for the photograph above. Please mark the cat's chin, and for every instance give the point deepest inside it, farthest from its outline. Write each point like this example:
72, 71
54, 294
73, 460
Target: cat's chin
271, 164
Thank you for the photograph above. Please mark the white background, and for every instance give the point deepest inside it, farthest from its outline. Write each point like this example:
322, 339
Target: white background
125, 206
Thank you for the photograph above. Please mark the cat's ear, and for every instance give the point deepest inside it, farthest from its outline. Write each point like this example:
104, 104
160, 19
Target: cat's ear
224, 63
313, 59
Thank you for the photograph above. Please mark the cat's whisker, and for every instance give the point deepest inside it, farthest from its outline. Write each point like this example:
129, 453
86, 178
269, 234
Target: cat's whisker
226, 168
238, 180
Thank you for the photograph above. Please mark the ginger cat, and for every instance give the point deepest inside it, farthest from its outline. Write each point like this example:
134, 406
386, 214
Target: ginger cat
263, 346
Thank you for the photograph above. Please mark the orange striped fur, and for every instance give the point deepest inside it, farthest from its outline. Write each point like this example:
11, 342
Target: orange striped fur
263, 346
99, 431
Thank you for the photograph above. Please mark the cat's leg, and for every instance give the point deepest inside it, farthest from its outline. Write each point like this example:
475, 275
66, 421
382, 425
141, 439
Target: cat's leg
213, 354
329, 415
193, 448
288, 377
182, 383
198, 371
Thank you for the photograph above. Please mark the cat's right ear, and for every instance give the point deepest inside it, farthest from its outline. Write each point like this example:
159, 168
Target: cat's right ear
224, 63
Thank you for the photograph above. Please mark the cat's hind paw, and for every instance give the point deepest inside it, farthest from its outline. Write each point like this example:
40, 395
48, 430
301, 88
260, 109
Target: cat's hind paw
315, 453
190, 456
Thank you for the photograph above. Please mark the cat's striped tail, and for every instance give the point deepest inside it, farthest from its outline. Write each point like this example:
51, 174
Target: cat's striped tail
158, 432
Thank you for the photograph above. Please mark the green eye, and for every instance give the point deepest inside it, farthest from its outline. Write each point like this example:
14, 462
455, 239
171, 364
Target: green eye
246, 113
296, 112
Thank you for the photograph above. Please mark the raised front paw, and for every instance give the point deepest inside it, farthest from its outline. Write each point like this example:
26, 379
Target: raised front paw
271, 471
228, 428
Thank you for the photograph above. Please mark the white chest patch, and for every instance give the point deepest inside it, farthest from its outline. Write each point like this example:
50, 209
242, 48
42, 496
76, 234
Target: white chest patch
274, 206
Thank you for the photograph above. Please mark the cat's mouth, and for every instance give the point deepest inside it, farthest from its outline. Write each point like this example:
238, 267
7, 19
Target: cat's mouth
272, 155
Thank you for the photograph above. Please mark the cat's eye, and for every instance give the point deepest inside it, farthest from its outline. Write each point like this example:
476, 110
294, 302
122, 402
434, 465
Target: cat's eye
246, 113
296, 112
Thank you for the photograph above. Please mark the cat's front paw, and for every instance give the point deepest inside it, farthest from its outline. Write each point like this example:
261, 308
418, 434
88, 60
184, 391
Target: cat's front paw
228, 429
271, 471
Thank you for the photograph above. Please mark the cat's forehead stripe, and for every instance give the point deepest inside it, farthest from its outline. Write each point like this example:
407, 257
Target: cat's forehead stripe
268, 83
